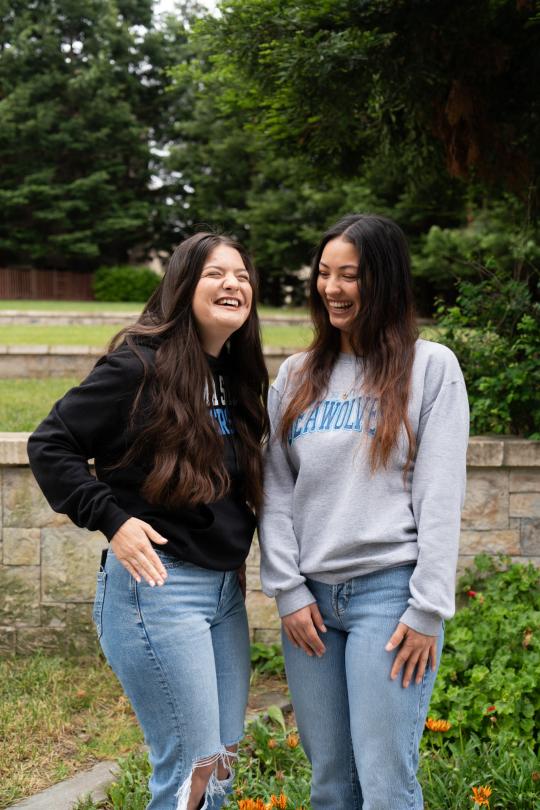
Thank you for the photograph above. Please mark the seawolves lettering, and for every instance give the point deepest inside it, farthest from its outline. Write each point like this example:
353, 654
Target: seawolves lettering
358, 414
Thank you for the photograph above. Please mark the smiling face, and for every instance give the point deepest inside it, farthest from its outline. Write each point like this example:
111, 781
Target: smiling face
223, 296
337, 284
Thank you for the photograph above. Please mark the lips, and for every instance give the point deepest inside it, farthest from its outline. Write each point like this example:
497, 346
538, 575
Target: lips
232, 303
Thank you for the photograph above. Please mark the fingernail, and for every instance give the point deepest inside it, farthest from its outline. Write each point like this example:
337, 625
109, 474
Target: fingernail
151, 583
388, 647
324, 628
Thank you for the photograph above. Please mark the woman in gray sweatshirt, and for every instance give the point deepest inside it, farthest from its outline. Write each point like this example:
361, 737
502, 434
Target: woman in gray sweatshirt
365, 479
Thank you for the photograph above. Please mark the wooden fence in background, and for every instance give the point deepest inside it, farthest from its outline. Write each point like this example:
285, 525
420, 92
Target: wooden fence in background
45, 284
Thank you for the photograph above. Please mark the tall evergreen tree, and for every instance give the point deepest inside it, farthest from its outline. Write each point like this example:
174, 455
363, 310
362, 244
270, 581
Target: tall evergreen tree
76, 106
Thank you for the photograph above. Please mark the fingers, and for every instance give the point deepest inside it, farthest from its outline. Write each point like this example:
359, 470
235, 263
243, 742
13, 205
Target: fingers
301, 630
133, 549
415, 652
397, 637
317, 618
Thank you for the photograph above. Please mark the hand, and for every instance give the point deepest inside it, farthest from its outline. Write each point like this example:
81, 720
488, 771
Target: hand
301, 629
242, 579
132, 547
416, 650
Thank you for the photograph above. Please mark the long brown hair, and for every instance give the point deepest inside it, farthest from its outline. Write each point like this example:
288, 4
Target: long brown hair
176, 429
383, 333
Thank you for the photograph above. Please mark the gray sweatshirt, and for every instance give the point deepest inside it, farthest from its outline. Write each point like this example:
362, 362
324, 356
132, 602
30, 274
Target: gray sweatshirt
328, 518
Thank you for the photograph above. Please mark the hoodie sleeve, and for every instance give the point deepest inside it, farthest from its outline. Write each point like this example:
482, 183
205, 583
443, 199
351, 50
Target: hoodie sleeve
78, 429
280, 575
438, 491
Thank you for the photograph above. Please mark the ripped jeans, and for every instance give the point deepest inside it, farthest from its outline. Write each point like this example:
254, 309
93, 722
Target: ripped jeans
181, 653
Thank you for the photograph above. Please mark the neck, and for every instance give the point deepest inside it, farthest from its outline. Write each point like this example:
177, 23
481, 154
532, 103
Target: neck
345, 346
213, 345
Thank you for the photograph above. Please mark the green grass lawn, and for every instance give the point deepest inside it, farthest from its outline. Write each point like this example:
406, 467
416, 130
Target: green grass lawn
118, 306
296, 337
58, 716
25, 402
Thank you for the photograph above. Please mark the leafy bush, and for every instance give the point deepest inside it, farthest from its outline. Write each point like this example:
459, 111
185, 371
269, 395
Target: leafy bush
495, 238
267, 659
494, 329
488, 681
124, 283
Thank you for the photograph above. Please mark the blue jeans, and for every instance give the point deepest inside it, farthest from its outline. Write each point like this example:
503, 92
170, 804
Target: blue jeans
181, 653
360, 730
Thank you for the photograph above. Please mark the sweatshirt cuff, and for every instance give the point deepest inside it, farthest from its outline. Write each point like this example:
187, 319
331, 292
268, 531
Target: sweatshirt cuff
295, 599
112, 519
429, 624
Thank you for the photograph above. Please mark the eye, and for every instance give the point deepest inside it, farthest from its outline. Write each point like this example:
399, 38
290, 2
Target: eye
243, 277
350, 278
323, 273
211, 274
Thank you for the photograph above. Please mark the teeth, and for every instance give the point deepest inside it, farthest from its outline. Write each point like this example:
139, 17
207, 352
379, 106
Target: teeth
340, 304
230, 302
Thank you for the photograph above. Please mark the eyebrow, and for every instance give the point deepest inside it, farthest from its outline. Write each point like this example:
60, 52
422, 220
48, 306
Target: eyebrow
342, 266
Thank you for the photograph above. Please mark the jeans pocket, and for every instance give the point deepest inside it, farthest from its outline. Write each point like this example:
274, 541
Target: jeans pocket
97, 613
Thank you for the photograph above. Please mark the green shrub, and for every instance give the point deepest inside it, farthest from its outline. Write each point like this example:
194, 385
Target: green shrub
495, 237
124, 283
488, 682
494, 329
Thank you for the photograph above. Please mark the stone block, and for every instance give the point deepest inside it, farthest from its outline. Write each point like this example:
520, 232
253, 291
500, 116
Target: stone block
525, 480
521, 453
253, 579
40, 639
262, 612
25, 506
266, 636
8, 637
21, 547
13, 448
53, 615
525, 504
498, 541
485, 452
80, 637
530, 537
69, 563
486, 502
19, 595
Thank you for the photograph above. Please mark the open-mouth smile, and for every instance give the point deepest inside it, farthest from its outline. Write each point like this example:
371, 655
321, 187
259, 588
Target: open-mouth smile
339, 306
233, 303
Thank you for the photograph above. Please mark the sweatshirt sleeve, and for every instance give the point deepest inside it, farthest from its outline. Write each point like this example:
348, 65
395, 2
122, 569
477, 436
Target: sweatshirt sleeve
438, 491
76, 430
280, 575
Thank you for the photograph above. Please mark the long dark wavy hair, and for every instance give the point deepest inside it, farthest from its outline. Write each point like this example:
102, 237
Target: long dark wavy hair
172, 424
384, 331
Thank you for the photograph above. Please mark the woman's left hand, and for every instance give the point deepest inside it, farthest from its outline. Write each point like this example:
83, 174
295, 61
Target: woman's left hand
415, 652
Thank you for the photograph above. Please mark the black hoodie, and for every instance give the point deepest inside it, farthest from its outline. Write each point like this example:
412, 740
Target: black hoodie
92, 422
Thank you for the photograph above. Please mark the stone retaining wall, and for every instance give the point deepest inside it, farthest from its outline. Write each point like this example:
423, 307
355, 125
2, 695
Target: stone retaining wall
77, 361
48, 566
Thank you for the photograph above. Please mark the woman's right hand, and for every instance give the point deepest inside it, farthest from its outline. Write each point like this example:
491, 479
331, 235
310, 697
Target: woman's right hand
301, 629
132, 547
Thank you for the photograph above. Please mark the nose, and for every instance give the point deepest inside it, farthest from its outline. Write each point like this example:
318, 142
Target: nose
230, 282
333, 286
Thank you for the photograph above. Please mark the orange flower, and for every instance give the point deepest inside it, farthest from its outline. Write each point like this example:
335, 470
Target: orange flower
481, 796
438, 725
293, 740
272, 743
280, 802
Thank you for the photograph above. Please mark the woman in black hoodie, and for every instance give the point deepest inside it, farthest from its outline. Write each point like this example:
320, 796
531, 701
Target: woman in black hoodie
173, 417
